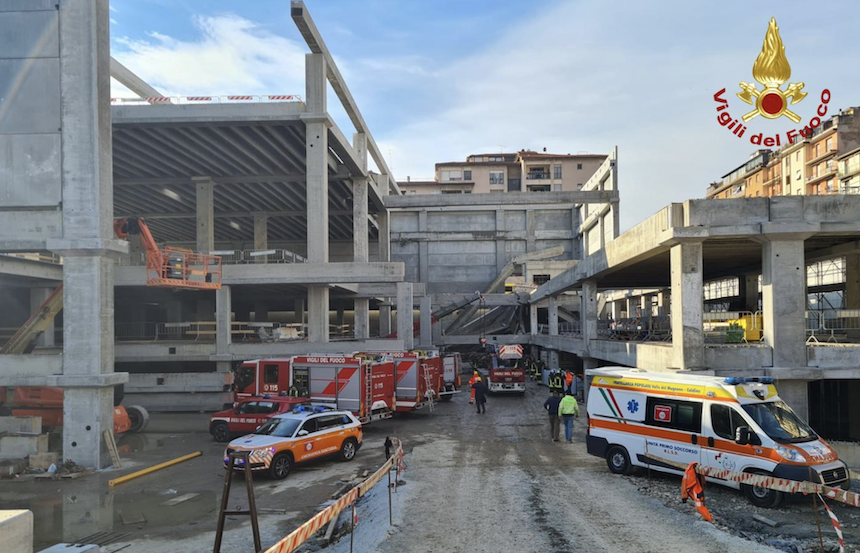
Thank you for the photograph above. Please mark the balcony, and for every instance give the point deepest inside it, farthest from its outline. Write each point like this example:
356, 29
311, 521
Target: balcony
538, 175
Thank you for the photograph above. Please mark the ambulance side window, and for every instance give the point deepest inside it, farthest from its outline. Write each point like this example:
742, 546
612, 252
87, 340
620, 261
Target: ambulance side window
330, 421
310, 425
270, 374
725, 421
673, 413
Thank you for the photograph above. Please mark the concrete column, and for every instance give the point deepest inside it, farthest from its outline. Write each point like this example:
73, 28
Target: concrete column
646, 305
316, 146
784, 299
404, 314
588, 311
663, 303
85, 161
37, 298
261, 234
553, 359
501, 256
223, 320
361, 246
384, 320
688, 336
552, 315
382, 218
426, 321
852, 280
361, 318
632, 307
531, 226
318, 314
299, 310
423, 250
205, 213
261, 312
749, 291
533, 319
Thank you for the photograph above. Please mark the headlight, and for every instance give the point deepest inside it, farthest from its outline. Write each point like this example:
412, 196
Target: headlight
272, 450
789, 454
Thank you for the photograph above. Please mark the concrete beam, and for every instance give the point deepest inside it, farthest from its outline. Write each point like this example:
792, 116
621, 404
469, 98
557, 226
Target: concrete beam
28, 370
27, 268
490, 300
202, 114
498, 200
131, 81
315, 42
388, 290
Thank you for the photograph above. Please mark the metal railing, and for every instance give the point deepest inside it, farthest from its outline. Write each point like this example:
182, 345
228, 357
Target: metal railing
205, 331
231, 257
657, 328
538, 176
833, 326
227, 99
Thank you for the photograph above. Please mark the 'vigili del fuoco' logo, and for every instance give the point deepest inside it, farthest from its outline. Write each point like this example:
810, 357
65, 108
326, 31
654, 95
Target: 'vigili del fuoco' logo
771, 69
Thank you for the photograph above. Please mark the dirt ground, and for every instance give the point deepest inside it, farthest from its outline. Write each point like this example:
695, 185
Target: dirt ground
474, 483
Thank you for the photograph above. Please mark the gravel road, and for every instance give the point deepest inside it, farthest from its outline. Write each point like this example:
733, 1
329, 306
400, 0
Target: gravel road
497, 483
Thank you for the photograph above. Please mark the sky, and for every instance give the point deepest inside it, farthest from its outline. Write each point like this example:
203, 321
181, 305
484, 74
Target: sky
439, 80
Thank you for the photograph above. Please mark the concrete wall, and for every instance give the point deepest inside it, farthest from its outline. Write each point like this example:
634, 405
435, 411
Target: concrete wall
463, 251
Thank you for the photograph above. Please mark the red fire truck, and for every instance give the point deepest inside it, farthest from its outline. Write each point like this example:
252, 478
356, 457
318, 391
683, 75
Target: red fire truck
506, 372
417, 374
450, 376
367, 388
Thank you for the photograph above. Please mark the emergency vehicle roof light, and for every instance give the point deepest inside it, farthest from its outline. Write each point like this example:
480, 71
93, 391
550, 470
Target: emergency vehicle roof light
319, 409
300, 409
283, 393
734, 380
766, 380
267, 396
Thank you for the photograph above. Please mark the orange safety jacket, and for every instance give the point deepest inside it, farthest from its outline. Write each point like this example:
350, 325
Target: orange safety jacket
568, 379
692, 486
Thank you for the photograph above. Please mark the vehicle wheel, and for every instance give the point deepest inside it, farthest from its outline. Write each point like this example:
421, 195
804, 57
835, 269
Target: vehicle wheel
762, 497
138, 416
280, 467
220, 432
618, 460
348, 450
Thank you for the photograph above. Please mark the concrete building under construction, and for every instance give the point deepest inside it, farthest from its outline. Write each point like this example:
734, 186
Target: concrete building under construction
320, 252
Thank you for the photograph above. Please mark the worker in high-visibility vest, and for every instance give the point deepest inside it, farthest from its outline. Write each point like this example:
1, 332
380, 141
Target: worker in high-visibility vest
555, 382
568, 408
294, 391
692, 486
476, 377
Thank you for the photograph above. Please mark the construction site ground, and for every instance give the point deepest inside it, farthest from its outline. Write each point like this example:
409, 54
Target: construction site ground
474, 483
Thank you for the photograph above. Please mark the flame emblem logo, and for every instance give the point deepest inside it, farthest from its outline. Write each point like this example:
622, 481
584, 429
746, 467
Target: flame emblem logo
771, 69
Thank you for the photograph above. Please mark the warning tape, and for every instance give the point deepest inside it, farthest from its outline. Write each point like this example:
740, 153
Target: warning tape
206, 99
836, 524
770, 482
301, 534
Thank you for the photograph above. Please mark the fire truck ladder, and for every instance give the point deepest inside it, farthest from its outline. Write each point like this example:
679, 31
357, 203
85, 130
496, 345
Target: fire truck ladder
368, 399
429, 392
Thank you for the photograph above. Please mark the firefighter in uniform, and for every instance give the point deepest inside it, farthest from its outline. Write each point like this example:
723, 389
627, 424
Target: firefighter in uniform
555, 381
475, 378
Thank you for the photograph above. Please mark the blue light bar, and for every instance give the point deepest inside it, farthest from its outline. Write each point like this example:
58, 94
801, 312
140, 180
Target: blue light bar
734, 380
319, 409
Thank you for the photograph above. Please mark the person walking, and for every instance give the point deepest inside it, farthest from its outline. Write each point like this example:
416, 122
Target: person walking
475, 378
551, 406
480, 390
555, 382
568, 408
388, 445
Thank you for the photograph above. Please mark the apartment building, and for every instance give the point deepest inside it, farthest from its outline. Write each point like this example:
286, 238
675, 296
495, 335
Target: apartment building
826, 162
523, 171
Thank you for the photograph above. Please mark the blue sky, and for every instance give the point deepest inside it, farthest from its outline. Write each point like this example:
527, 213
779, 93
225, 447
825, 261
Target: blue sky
439, 80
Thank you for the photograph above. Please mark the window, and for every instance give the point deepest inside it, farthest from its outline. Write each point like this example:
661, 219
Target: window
310, 426
514, 185
579, 167
467, 175
556, 171
828, 145
270, 374
556, 187
579, 186
331, 421
540, 279
266, 407
725, 420
412, 192
497, 177
448, 176
672, 413
797, 155
247, 408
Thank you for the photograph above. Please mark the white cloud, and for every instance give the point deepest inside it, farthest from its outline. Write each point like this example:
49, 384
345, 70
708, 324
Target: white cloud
232, 55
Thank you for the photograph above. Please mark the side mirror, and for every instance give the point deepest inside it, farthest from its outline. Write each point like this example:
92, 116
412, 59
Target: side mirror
303, 432
743, 435
258, 429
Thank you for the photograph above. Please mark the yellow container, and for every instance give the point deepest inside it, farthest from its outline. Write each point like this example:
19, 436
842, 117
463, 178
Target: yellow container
752, 325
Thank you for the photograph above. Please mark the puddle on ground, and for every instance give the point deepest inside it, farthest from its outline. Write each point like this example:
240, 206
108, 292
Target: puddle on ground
68, 517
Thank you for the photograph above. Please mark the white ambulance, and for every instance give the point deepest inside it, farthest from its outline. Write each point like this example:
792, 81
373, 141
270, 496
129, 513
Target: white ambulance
737, 424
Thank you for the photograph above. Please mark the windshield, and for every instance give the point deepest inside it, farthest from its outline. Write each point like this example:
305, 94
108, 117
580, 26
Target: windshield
282, 428
779, 422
